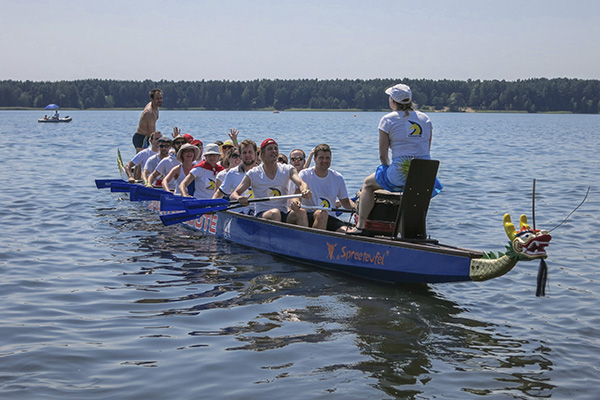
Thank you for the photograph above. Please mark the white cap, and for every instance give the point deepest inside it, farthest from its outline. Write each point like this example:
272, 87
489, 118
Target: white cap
211, 148
400, 93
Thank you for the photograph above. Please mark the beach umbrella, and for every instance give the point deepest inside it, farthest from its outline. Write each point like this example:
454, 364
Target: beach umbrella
51, 107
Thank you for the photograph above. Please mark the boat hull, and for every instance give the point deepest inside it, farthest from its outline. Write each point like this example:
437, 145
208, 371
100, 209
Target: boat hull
372, 258
54, 120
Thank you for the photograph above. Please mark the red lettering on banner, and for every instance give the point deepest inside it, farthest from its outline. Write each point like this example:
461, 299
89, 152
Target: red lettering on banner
198, 222
213, 224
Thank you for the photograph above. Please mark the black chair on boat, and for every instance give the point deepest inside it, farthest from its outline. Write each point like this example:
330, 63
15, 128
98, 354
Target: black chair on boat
412, 213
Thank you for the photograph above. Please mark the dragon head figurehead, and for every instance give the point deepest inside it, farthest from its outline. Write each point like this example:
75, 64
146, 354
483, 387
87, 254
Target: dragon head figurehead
527, 243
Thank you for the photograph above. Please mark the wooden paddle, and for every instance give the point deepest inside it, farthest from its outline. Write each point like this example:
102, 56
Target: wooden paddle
193, 213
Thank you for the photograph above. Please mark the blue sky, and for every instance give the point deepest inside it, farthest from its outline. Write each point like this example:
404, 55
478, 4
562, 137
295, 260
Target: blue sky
244, 40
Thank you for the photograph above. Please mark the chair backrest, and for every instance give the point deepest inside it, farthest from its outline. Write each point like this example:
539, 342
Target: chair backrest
412, 214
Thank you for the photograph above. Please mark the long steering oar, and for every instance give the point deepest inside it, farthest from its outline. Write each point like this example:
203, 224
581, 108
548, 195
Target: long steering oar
193, 213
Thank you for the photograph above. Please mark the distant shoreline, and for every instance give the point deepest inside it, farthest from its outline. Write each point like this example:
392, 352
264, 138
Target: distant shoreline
424, 109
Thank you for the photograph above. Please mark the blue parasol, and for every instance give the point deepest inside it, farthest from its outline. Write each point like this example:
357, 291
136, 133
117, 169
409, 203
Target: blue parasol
51, 107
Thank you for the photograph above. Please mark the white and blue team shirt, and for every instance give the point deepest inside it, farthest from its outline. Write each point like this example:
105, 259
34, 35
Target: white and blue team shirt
263, 186
325, 190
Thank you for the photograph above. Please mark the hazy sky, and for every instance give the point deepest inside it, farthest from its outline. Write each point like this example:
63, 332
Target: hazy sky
244, 40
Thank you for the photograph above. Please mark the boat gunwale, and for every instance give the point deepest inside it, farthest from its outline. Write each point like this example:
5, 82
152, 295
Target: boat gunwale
429, 247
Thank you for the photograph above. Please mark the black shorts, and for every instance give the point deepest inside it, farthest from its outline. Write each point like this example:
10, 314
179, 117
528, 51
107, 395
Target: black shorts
139, 140
284, 215
333, 224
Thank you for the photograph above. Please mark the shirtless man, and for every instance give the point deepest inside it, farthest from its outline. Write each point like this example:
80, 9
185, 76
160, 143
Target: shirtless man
269, 179
148, 119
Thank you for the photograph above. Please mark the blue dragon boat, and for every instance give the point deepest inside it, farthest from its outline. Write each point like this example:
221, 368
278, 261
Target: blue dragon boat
407, 255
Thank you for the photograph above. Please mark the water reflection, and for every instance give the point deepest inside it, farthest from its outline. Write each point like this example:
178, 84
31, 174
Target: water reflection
409, 340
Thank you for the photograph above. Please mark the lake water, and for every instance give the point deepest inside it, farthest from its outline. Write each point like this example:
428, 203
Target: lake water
100, 301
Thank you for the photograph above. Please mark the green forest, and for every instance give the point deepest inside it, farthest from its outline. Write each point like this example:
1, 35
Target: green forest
530, 95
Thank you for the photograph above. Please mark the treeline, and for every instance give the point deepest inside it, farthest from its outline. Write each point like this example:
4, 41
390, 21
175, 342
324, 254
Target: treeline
531, 95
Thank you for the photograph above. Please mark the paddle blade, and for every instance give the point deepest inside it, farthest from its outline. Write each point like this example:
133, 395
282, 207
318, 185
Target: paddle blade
106, 183
143, 193
121, 186
172, 219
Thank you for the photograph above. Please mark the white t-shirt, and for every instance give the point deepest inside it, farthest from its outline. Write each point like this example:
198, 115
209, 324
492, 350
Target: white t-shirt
167, 164
143, 156
263, 186
409, 136
324, 190
231, 181
204, 182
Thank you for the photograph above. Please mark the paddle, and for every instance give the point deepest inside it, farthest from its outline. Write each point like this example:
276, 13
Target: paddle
178, 203
194, 210
106, 183
143, 193
123, 186
337, 210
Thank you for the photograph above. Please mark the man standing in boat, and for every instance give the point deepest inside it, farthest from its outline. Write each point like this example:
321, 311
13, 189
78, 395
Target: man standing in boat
147, 123
326, 186
271, 179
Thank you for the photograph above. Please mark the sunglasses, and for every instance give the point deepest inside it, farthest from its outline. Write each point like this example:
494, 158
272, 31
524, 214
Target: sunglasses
162, 146
180, 142
281, 160
297, 158
234, 156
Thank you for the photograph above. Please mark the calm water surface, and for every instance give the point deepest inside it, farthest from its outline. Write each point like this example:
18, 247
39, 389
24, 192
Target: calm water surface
101, 301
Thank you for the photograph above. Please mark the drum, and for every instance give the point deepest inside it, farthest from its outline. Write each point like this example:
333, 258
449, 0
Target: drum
382, 218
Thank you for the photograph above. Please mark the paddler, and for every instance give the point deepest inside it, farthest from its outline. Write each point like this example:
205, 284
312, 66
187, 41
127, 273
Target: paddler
271, 179
204, 174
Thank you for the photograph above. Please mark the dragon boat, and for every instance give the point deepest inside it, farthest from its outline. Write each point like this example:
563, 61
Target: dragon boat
406, 255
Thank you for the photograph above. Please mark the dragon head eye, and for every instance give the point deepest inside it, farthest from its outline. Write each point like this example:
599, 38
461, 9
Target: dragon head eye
525, 235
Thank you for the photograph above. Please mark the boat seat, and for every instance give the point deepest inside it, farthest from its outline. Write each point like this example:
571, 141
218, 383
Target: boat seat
412, 213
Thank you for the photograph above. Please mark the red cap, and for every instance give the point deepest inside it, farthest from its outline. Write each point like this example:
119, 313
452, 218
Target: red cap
267, 142
196, 142
188, 137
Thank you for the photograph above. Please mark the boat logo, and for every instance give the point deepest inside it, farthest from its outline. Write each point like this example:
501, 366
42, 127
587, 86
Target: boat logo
227, 229
415, 129
352, 255
331, 249
274, 192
